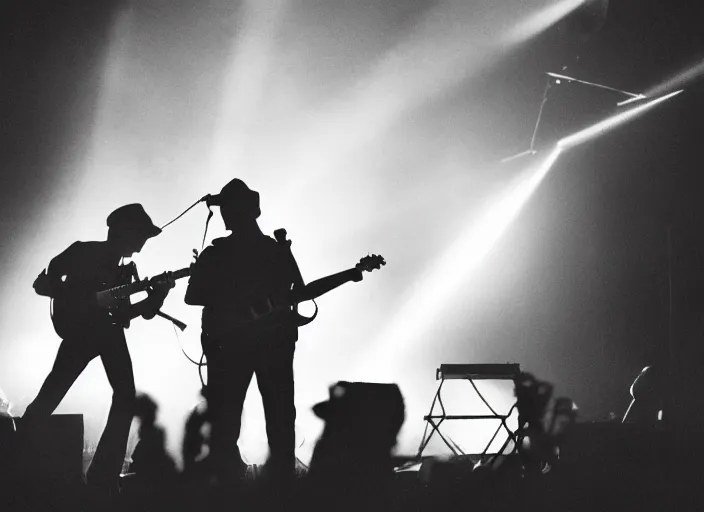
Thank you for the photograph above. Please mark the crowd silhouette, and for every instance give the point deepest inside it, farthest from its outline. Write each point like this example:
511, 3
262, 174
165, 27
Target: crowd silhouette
353, 466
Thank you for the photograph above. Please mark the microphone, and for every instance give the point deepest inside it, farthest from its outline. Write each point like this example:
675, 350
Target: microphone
211, 200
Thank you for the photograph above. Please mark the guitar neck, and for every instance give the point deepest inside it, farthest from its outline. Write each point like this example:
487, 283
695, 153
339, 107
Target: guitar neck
124, 291
184, 272
321, 286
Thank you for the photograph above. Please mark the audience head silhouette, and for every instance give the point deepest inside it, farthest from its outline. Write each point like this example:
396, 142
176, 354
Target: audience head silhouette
145, 409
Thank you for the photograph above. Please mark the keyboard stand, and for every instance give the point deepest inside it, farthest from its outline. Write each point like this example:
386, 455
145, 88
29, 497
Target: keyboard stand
434, 421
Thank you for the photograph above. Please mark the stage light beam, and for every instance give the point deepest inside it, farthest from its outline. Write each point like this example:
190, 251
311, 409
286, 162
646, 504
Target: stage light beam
685, 76
464, 256
450, 273
244, 87
541, 20
460, 261
610, 123
451, 44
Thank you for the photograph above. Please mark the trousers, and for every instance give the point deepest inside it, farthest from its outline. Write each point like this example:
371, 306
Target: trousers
231, 364
73, 356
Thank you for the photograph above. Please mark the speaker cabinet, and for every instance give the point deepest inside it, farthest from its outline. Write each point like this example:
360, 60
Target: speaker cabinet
53, 453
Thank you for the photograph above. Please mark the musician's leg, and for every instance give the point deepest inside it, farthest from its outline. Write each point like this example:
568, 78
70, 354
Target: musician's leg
72, 358
275, 379
109, 456
229, 375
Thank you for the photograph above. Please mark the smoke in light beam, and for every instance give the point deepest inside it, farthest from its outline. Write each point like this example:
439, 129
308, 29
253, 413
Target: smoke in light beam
610, 123
451, 271
457, 264
685, 76
454, 42
541, 20
250, 65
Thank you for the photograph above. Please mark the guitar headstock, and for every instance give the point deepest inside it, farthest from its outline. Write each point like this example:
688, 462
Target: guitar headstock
371, 262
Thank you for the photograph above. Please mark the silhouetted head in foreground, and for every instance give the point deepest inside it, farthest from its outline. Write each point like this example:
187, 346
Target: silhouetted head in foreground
195, 440
145, 409
648, 394
152, 462
362, 422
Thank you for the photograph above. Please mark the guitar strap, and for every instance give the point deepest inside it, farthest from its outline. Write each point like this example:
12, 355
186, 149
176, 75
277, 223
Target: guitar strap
280, 235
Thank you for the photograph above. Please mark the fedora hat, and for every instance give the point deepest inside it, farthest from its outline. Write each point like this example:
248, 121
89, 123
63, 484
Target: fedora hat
238, 196
132, 217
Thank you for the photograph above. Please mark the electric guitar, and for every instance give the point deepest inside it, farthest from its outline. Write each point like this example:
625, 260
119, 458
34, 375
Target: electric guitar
321, 286
113, 298
252, 310
73, 313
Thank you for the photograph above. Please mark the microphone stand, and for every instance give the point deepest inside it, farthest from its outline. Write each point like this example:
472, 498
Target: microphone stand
531, 151
633, 96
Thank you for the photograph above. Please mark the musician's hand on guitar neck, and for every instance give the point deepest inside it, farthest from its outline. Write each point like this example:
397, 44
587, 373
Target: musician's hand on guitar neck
159, 290
163, 284
356, 275
366, 264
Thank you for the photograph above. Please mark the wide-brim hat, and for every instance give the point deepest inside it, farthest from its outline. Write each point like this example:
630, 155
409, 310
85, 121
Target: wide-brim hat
132, 217
354, 399
238, 197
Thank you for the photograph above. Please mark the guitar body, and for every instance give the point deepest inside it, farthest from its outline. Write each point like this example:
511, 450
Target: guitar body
78, 313
77, 317
260, 310
81, 311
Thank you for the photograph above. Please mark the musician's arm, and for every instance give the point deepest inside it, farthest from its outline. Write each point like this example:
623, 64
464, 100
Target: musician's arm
49, 283
156, 294
206, 283
195, 295
321, 286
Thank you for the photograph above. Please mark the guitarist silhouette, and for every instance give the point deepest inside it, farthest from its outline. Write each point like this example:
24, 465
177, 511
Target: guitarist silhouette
87, 331
249, 284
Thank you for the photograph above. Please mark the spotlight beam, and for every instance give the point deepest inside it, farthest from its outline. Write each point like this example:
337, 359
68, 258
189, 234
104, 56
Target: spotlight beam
450, 45
243, 90
450, 274
687, 75
462, 259
610, 123
541, 20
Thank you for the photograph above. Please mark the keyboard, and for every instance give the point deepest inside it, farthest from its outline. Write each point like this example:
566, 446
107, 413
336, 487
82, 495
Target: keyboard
506, 371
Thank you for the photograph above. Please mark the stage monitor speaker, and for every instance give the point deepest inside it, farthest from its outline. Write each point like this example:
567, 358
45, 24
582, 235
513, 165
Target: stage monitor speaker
7, 435
54, 453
